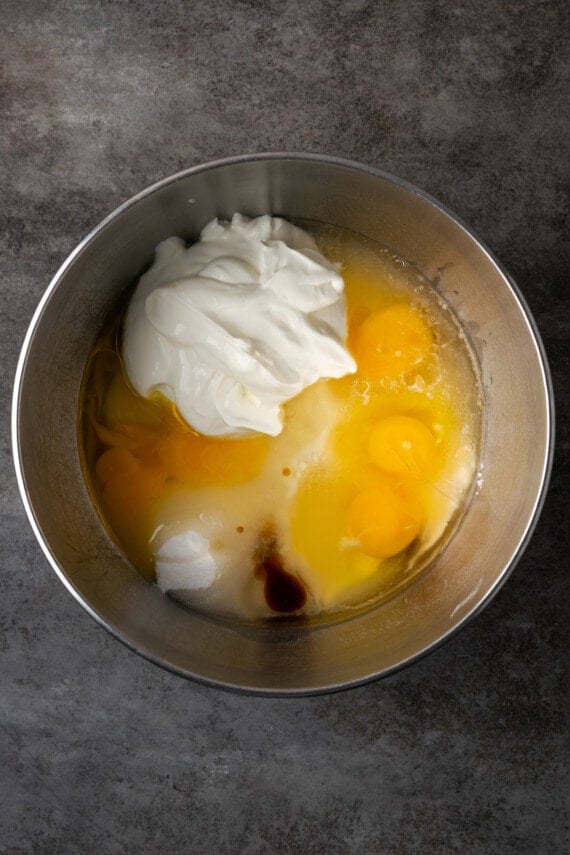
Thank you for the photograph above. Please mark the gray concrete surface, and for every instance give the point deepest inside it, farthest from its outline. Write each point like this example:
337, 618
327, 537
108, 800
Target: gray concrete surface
466, 752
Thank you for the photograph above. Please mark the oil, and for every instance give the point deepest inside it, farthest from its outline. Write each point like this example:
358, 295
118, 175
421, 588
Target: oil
364, 485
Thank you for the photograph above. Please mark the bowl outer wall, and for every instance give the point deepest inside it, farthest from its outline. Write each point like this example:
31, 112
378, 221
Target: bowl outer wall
516, 456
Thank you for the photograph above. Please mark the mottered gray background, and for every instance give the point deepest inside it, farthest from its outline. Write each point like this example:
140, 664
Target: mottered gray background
465, 751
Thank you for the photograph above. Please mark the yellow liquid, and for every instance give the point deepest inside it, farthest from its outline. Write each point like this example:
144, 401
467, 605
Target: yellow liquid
366, 481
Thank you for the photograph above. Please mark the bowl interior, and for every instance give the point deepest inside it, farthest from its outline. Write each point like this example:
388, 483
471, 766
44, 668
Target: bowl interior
288, 658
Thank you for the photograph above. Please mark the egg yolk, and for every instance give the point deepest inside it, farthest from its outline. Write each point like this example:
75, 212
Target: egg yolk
129, 489
384, 519
390, 342
197, 460
402, 445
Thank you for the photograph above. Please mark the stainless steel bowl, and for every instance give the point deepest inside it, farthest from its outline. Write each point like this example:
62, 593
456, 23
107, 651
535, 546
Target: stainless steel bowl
290, 659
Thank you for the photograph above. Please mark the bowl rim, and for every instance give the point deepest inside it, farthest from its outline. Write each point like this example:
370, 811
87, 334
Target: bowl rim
345, 164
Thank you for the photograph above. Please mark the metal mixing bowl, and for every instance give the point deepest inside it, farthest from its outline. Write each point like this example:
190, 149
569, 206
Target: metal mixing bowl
292, 658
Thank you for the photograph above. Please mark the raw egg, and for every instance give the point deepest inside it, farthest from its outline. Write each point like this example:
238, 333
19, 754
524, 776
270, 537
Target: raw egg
402, 445
391, 342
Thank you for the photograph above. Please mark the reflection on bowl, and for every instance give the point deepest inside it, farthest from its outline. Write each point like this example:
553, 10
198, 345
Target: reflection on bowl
295, 657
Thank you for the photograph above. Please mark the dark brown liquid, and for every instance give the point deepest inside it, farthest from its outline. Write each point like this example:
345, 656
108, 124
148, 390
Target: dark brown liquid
283, 591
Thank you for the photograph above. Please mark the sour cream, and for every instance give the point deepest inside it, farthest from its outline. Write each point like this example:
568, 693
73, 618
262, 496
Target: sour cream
237, 324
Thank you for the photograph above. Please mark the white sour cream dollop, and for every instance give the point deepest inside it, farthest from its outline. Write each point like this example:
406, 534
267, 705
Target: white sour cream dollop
236, 324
